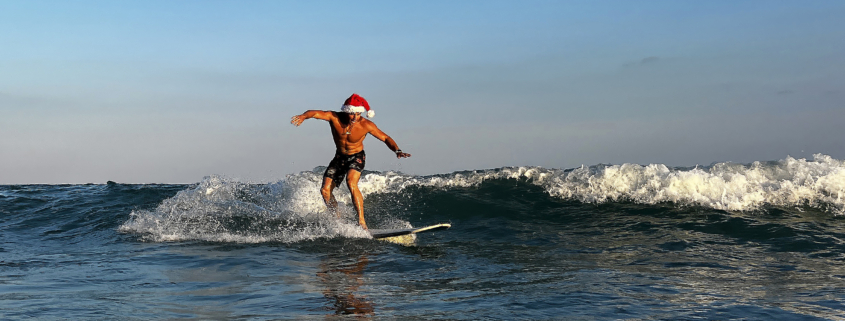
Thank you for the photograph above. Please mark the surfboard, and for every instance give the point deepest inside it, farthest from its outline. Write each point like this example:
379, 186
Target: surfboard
380, 234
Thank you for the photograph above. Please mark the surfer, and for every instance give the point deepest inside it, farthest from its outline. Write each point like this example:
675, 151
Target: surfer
349, 129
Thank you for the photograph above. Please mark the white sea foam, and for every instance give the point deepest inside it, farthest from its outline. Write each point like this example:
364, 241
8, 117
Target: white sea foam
791, 182
224, 210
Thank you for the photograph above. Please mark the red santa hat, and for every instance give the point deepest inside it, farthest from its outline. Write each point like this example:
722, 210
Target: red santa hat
357, 104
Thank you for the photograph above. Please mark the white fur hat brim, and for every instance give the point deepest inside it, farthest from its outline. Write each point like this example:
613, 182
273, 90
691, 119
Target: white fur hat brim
357, 109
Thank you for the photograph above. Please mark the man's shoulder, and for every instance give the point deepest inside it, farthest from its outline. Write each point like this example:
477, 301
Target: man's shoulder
368, 123
330, 113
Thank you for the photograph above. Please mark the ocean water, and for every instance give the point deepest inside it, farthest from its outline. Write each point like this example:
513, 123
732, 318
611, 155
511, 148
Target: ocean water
761, 241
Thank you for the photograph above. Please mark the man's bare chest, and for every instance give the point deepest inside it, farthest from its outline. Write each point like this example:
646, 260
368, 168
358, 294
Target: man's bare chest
352, 133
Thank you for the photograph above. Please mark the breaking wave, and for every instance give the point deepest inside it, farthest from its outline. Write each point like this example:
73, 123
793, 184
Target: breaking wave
291, 210
817, 183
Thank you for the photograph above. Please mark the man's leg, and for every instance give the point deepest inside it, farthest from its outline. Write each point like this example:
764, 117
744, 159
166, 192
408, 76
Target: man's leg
357, 199
328, 197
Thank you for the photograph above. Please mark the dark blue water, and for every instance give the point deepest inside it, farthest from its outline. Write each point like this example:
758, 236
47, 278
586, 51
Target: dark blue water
761, 241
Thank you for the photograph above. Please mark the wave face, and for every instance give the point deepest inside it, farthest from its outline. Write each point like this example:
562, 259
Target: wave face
220, 209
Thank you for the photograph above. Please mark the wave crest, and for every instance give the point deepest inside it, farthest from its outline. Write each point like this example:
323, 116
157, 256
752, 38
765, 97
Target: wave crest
819, 183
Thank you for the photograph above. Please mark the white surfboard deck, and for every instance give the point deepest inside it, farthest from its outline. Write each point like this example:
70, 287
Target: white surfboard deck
379, 234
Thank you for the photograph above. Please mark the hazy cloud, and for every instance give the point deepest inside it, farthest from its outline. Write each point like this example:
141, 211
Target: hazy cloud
649, 60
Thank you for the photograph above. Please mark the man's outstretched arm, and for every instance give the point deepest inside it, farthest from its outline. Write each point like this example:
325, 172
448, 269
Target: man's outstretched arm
319, 114
377, 133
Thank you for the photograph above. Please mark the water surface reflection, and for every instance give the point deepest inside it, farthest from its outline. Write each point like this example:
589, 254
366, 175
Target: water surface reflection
342, 278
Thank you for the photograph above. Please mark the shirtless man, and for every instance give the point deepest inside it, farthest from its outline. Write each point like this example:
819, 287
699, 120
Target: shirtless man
349, 129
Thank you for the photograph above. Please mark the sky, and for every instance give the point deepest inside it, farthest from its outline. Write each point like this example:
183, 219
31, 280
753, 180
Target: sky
173, 91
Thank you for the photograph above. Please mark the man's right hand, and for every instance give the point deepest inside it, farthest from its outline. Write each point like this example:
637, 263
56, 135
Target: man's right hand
297, 120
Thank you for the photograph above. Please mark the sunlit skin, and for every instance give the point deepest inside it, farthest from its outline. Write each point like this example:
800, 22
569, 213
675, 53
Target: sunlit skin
358, 127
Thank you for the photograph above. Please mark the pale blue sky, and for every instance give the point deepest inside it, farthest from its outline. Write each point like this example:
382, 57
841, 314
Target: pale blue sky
171, 91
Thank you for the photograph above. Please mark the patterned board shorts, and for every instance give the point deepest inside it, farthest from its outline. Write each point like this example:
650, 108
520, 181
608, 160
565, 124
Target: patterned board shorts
341, 164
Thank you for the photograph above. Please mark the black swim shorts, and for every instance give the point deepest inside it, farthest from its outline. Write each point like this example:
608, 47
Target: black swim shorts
341, 164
